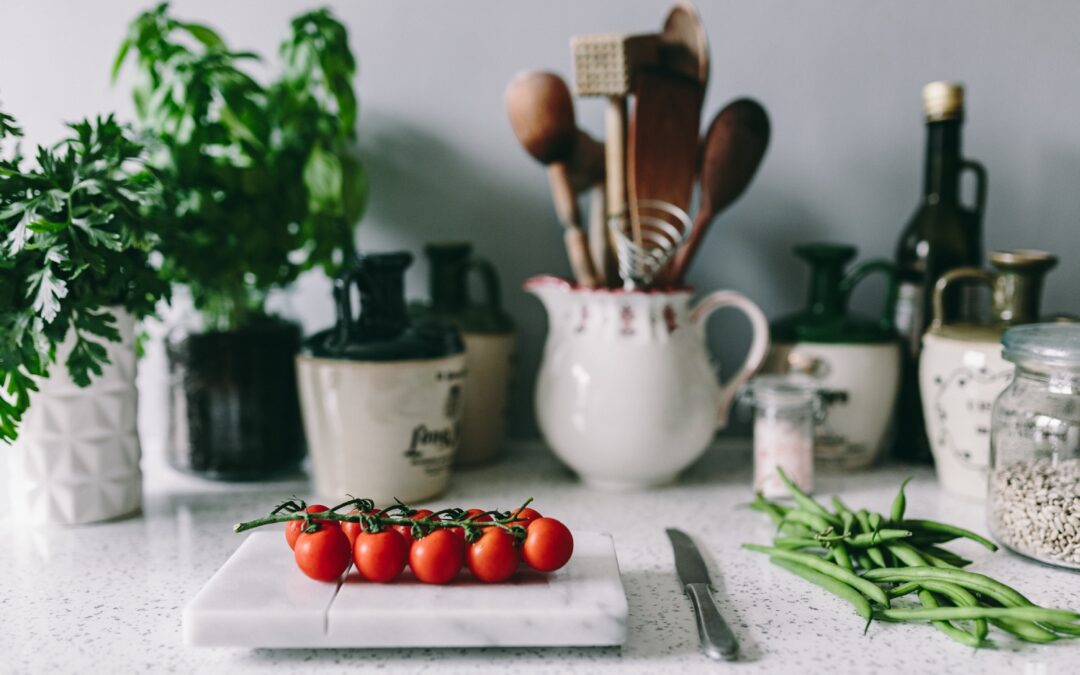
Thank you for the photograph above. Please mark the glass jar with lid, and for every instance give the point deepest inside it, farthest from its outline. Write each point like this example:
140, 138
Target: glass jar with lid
786, 410
1034, 488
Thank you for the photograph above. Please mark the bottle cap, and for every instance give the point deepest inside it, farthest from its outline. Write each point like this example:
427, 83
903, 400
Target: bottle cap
943, 101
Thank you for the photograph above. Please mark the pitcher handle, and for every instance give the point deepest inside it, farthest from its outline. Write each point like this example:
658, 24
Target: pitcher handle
951, 277
489, 279
759, 343
887, 270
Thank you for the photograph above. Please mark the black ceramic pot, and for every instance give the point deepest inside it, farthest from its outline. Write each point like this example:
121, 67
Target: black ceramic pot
233, 407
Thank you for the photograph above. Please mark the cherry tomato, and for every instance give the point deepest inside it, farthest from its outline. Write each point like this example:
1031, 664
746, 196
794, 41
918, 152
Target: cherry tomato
380, 556
474, 515
526, 516
438, 557
548, 545
352, 530
293, 528
493, 557
406, 530
323, 555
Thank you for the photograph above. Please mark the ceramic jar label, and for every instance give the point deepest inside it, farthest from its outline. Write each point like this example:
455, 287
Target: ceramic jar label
383, 430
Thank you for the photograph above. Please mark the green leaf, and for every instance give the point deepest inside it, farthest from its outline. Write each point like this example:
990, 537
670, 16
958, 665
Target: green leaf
207, 36
323, 180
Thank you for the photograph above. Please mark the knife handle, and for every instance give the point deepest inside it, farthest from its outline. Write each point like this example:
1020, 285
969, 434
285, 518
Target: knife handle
717, 640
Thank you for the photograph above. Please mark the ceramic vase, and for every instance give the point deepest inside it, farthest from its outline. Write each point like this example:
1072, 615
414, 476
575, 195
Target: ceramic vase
627, 395
76, 459
381, 395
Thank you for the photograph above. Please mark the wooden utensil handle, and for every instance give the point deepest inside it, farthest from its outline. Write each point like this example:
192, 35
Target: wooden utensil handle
577, 249
598, 234
615, 154
562, 193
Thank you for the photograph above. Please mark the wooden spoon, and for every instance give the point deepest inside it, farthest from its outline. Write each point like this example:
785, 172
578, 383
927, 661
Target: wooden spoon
541, 113
731, 153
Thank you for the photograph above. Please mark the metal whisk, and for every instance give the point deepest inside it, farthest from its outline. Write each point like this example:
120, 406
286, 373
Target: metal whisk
664, 227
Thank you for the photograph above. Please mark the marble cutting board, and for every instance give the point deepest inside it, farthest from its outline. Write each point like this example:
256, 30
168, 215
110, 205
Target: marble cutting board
260, 599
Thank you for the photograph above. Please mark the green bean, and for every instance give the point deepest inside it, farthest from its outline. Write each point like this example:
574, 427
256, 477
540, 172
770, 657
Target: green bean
904, 589
868, 539
774, 511
900, 502
935, 561
1040, 614
1025, 630
945, 554
839, 506
857, 599
796, 542
811, 520
848, 521
945, 528
906, 554
841, 556
874, 552
930, 602
961, 597
805, 501
864, 560
980, 583
867, 588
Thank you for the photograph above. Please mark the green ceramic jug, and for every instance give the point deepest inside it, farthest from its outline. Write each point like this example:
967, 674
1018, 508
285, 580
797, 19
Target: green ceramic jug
856, 359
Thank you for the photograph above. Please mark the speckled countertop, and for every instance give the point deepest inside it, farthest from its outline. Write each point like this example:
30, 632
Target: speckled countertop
107, 598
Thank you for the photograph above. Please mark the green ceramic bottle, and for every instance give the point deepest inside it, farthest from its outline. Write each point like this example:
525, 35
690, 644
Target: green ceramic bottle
489, 338
856, 359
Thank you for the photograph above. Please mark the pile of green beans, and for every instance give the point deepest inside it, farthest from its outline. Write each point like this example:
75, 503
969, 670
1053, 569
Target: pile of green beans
870, 560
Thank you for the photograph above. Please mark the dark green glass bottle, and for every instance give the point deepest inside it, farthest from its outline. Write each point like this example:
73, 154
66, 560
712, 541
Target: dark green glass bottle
942, 235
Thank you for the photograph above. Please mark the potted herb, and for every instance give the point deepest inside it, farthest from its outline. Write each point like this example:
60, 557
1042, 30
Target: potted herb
75, 274
266, 187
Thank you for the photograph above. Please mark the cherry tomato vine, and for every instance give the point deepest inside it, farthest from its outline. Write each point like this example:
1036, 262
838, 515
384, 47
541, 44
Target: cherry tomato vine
434, 545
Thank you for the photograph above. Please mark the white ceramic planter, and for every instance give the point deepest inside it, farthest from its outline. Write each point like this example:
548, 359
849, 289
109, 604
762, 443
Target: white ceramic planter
77, 456
861, 382
382, 430
959, 381
488, 359
627, 395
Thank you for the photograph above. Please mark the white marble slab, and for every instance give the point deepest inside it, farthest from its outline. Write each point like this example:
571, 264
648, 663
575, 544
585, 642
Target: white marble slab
260, 599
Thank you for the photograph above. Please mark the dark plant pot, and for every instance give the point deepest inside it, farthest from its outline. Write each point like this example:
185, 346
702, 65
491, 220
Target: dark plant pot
234, 413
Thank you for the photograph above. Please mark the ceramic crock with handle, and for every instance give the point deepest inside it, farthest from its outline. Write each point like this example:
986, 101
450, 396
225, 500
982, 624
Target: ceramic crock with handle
489, 344
961, 370
76, 459
856, 359
627, 395
381, 395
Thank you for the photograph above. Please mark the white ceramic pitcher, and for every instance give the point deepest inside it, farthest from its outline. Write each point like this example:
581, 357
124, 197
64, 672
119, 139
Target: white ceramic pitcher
627, 394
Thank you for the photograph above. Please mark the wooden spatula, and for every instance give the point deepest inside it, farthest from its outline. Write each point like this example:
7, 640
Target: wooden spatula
666, 114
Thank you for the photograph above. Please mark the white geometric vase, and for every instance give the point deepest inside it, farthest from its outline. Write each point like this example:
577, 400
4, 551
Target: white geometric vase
76, 459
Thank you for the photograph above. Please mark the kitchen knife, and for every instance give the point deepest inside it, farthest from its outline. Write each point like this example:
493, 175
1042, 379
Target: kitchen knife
717, 640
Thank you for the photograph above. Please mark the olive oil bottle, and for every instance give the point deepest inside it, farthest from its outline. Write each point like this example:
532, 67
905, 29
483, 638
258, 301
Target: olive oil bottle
942, 234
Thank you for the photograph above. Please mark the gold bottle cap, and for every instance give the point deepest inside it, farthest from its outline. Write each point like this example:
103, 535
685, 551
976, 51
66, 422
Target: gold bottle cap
943, 101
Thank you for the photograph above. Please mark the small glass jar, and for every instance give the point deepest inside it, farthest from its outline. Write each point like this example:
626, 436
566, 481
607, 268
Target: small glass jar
1034, 490
786, 410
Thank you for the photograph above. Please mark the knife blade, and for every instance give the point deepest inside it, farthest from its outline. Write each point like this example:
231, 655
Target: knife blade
717, 639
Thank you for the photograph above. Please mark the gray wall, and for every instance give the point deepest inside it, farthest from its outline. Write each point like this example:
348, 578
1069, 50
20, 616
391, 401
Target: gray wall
840, 79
